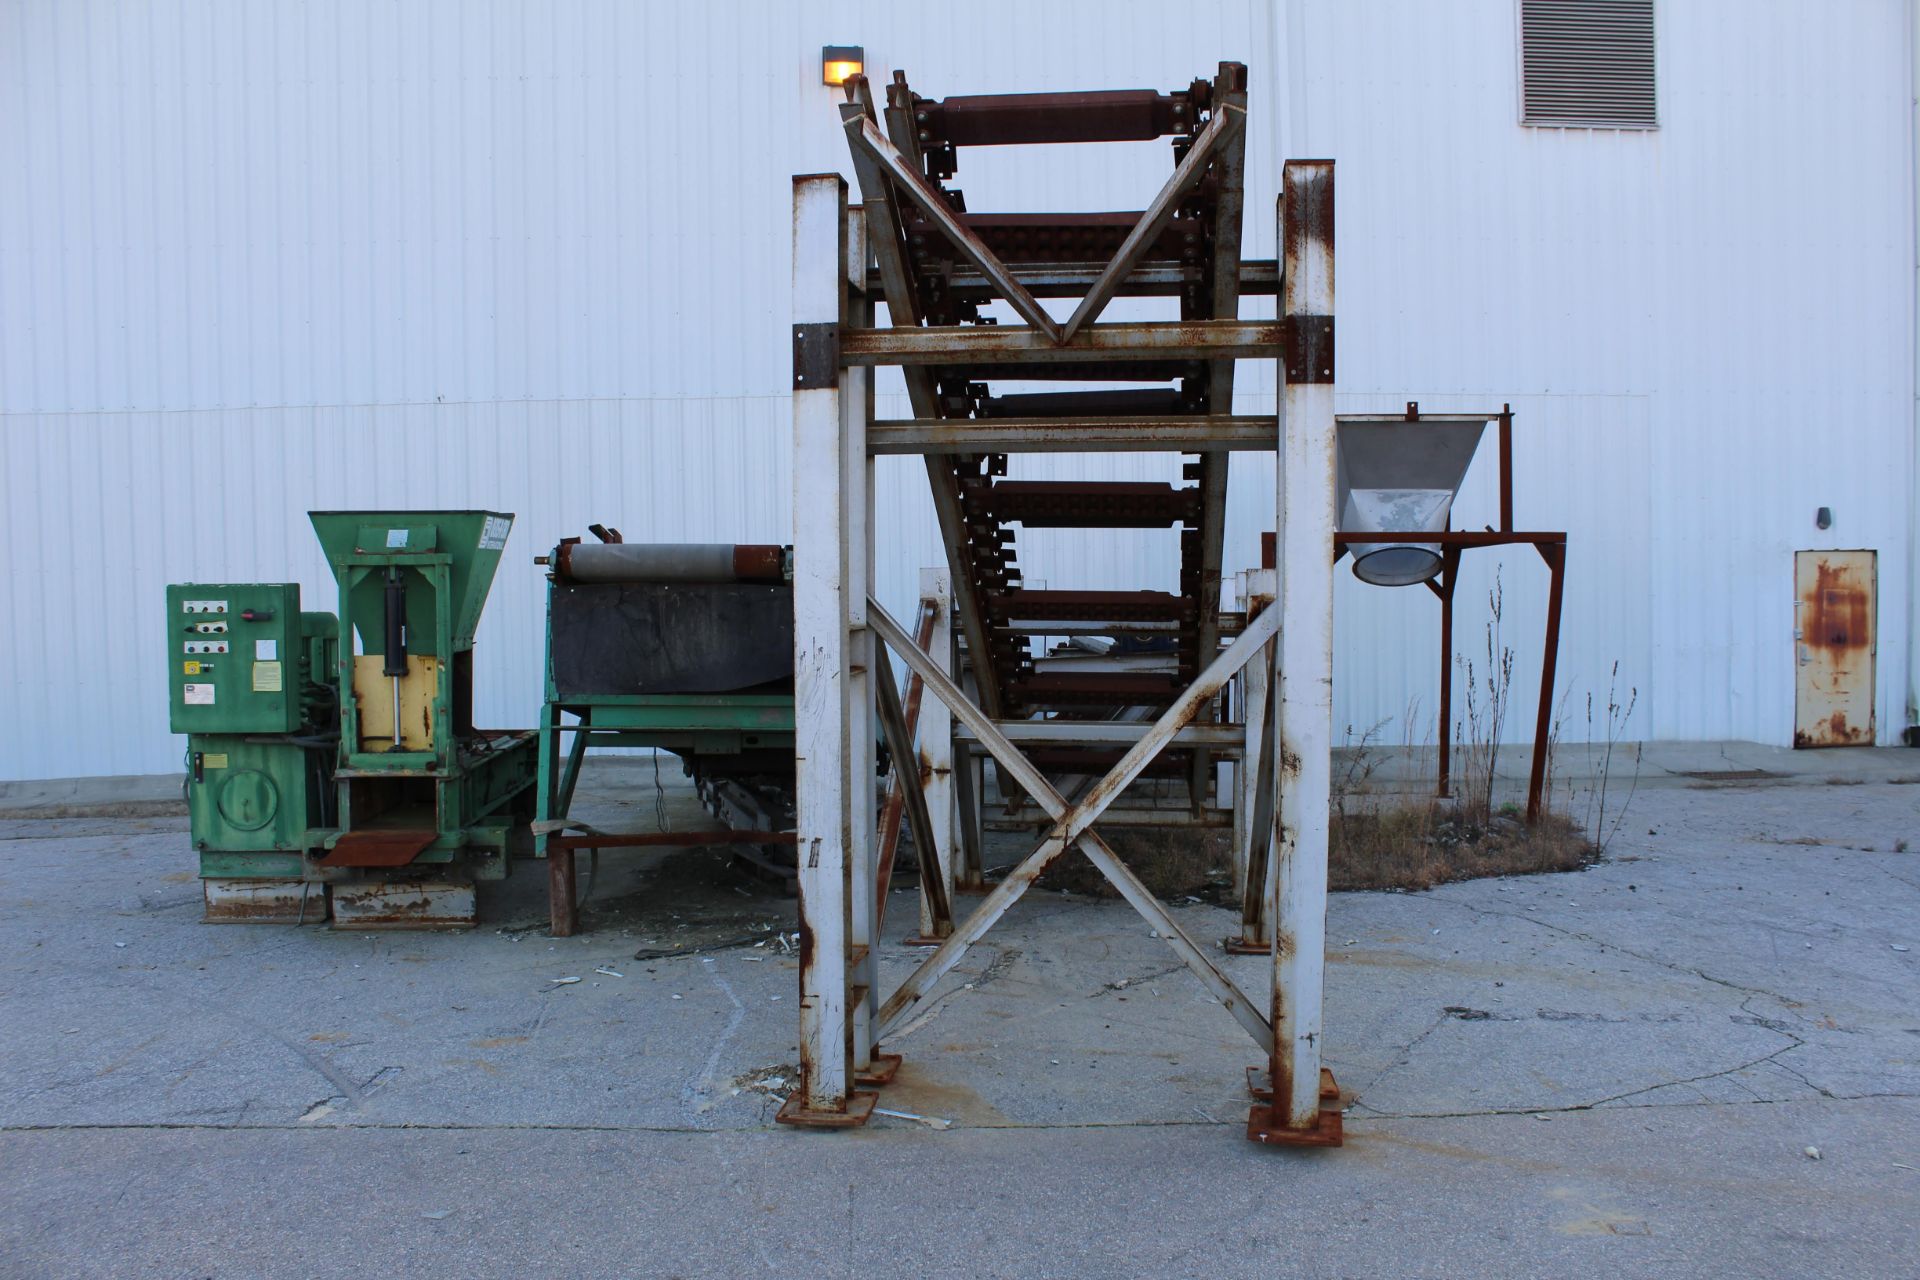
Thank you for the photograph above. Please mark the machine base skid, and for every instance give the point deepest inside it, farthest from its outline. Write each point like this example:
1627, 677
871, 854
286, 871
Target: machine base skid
404, 904
884, 1068
1264, 1125
859, 1110
264, 902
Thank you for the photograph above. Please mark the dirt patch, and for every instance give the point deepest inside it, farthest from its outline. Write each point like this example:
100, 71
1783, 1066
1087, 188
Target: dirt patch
1417, 848
693, 900
1172, 863
1412, 848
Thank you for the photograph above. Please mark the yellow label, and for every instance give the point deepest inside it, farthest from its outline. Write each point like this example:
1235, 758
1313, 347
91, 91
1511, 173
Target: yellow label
191, 668
266, 677
211, 761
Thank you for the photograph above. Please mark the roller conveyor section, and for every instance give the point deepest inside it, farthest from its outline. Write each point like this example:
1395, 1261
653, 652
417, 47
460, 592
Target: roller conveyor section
1091, 504
668, 562
1191, 253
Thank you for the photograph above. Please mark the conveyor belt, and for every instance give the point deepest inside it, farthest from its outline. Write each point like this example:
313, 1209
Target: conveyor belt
1194, 254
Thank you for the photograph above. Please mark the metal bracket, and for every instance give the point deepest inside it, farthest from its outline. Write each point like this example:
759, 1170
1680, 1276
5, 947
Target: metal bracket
1306, 344
816, 355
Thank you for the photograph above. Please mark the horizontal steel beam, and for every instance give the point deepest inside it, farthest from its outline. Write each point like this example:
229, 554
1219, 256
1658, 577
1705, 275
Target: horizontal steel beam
1195, 434
1258, 278
1157, 819
1108, 731
1081, 627
1454, 538
1015, 344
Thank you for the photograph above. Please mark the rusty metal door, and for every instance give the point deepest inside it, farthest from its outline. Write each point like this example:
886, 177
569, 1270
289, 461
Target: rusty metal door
1834, 635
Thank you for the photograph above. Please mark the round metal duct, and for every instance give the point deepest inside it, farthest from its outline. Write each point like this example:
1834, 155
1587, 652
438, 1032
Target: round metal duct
1396, 564
1399, 476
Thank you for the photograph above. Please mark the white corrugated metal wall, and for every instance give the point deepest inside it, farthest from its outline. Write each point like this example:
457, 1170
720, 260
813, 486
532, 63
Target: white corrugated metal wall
256, 259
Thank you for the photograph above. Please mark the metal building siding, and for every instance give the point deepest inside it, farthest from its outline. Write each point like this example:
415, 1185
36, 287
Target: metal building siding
1706, 331
262, 258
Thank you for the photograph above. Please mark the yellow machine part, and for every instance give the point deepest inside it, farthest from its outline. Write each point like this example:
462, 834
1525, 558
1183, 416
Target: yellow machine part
373, 695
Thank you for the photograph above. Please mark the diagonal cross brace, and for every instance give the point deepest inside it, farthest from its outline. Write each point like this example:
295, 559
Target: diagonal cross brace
1226, 123
867, 138
1073, 822
906, 783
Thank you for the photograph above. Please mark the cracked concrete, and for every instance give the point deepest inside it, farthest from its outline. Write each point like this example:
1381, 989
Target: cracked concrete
1613, 1071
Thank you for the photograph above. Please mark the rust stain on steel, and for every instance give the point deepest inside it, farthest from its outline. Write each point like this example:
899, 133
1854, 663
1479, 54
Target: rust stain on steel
256, 902
1836, 628
758, 563
377, 848
1838, 610
806, 952
388, 904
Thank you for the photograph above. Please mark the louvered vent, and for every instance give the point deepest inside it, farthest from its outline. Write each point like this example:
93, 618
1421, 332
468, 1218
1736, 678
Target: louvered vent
1587, 63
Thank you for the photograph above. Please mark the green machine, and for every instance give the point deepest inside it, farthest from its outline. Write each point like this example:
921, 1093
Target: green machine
343, 781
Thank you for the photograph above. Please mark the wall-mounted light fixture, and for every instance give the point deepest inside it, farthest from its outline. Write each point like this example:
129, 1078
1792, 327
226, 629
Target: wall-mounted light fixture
839, 63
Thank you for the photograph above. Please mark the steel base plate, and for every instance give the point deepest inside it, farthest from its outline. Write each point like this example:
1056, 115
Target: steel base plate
1264, 1125
920, 940
404, 904
859, 1110
1241, 947
264, 902
884, 1068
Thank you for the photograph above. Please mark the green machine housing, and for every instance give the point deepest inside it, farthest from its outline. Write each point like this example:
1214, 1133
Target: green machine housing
354, 768
250, 685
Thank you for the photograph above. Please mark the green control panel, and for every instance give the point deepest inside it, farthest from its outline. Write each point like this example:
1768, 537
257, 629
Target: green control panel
235, 657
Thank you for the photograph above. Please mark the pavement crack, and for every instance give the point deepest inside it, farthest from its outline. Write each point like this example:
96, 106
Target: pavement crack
1133, 980
1405, 1057
1658, 961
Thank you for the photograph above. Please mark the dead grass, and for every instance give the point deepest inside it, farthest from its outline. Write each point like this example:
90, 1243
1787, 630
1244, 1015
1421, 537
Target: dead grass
1172, 863
1421, 846
1408, 848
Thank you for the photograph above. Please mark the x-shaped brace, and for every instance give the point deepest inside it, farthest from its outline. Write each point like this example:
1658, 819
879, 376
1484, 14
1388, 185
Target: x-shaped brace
866, 137
1073, 823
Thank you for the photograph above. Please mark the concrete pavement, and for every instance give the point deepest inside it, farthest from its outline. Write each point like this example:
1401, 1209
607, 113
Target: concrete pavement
1613, 1072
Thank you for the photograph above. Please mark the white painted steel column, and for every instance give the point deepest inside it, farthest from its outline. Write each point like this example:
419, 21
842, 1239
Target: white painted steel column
1912, 720
821, 600
1305, 706
856, 488
936, 744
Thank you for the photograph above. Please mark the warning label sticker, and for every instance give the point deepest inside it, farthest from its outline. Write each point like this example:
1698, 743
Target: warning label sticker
266, 677
198, 695
493, 534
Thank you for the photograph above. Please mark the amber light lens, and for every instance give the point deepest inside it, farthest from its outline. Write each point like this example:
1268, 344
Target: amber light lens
839, 63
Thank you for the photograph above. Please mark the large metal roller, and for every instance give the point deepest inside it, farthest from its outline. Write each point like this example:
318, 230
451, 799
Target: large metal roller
669, 562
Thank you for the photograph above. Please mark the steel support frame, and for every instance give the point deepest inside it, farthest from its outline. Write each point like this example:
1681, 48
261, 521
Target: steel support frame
1303, 706
836, 622
833, 659
1552, 548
